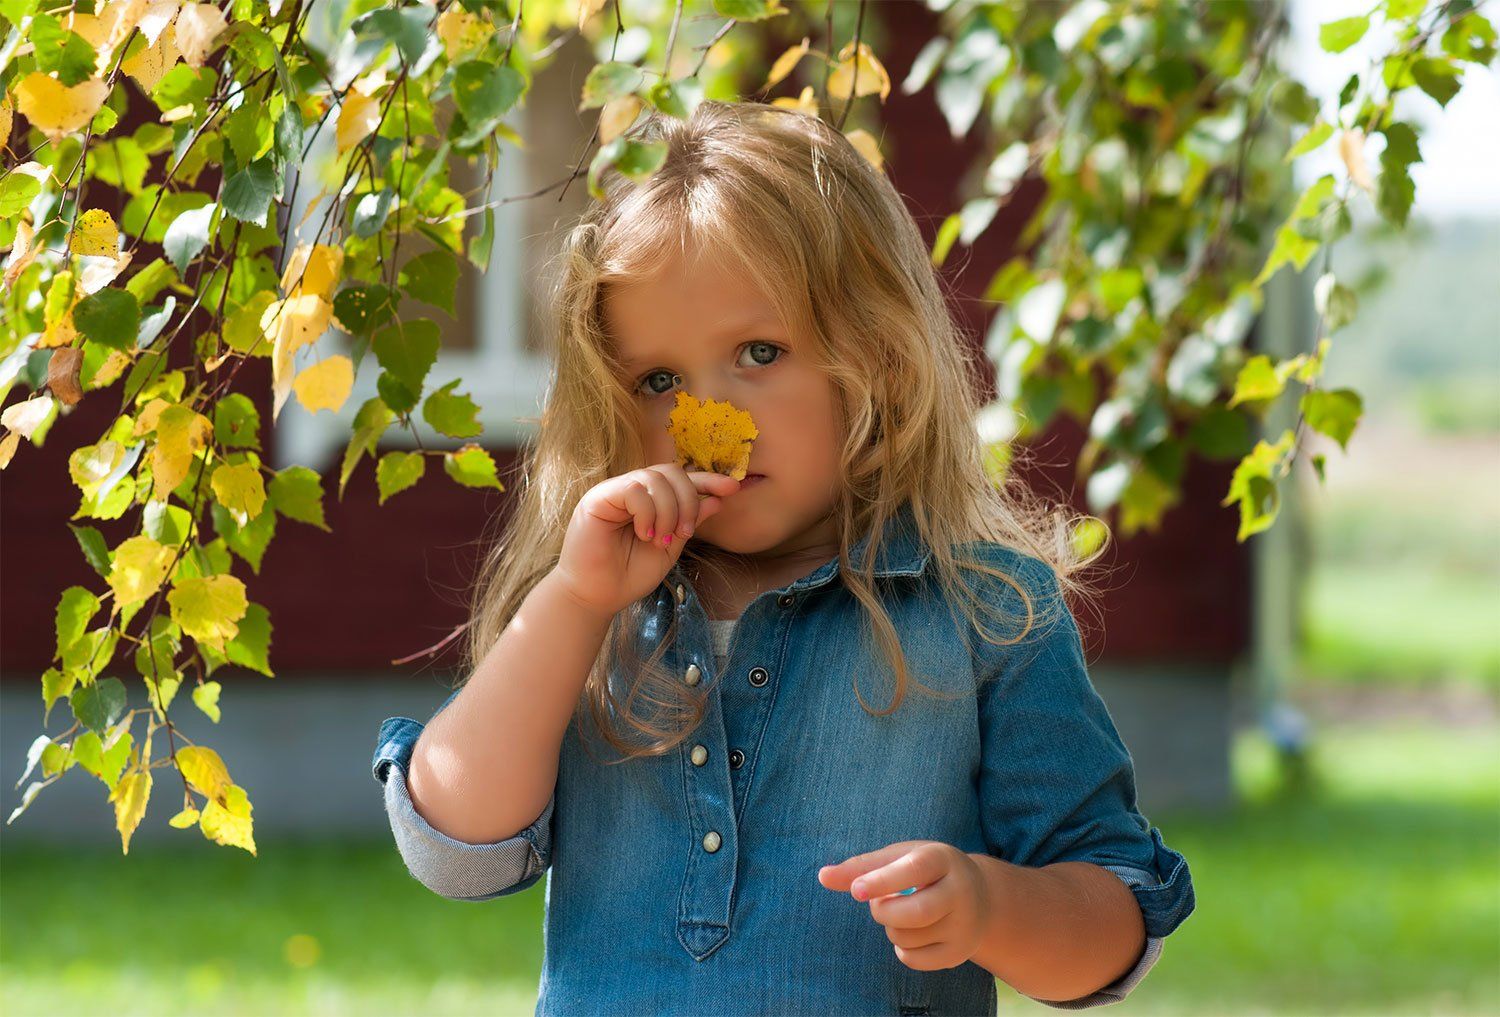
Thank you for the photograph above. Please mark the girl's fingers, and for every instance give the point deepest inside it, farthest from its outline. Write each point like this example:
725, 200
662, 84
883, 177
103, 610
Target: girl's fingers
666, 506
641, 506
687, 499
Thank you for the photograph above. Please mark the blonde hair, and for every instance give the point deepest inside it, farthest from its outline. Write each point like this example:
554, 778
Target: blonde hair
787, 200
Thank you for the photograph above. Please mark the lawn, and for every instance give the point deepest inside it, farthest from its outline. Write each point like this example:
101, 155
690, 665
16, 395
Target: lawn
1377, 891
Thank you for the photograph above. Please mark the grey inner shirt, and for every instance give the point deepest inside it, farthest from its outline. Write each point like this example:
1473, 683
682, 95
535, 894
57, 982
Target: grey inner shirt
721, 630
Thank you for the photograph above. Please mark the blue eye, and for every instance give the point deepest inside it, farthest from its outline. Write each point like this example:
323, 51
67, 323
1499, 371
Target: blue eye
646, 387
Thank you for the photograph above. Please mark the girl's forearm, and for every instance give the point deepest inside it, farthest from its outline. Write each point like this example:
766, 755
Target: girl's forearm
1060, 931
485, 766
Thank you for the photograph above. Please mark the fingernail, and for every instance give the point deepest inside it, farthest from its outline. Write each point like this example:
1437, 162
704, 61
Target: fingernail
651, 533
858, 889
687, 531
666, 540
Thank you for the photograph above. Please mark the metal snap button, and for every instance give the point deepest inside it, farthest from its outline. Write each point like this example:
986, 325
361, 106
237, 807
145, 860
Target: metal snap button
759, 676
736, 759
681, 593
711, 841
699, 755
786, 600
694, 672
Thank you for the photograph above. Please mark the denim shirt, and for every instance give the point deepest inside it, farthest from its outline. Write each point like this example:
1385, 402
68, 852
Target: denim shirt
687, 883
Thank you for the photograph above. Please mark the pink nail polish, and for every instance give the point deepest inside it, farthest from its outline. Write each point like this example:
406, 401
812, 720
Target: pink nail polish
651, 533
667, 539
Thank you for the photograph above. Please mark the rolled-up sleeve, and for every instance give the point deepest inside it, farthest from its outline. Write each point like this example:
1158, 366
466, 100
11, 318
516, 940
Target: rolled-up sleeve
1056, 781
453, 868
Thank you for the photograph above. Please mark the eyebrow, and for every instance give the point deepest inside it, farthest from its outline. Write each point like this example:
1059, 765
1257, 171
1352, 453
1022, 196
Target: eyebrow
732, 326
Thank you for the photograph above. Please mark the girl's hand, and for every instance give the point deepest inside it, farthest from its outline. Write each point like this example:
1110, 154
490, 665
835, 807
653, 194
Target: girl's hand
938, 926
629, 530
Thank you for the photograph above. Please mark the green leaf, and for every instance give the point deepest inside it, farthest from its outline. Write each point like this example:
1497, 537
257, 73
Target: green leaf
749, 10
1437, 77
237, 422
109, 317
1254, 485
247, 195
371, 212
251, 646
398, 471
1395, 192
407, 350
1334, 413
360, 309
452, 414
432, 277
1319, 133
60, 50
472, 466
100, 704
1336, 302
1337, 36
297, 493
75, 609
16, 192
484, 93
370, 422
206, 698
609, 80
249, 541
406, 28
95, 550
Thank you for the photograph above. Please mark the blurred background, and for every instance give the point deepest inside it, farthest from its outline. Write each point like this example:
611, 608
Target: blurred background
1314, 714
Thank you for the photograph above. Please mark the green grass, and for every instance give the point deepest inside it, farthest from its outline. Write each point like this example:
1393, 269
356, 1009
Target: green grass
1402, 622
1375, 890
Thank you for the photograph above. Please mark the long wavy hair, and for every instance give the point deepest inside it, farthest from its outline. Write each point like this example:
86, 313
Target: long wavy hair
824, 235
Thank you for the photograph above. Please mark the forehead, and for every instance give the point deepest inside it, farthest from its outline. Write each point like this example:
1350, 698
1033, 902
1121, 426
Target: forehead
684, 300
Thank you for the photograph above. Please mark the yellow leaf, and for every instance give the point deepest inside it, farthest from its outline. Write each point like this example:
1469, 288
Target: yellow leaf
784, 63
209, 608
230, 822
291, 324
7, 117
180, 432
313, 268
198, 26
22, 252
8, 448
587, 9
461, 32
130, 796
712, 435
150, 65
95, 234
206, 698
149, 416
872, 77
26, 416
240, 489
91, 464
204, 769
184, 819
1352, 150
56, 109
617, 116
807, 102
865, 144
358, 117
326, 385
139, 568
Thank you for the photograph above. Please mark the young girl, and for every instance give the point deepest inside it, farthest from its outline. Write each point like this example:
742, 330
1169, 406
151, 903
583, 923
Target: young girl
817, 741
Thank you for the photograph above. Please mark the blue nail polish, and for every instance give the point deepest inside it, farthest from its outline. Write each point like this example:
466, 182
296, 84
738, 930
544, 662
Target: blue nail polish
909, 889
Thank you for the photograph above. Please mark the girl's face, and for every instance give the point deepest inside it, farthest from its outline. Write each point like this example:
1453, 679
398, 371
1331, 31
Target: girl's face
699, 329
